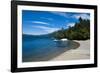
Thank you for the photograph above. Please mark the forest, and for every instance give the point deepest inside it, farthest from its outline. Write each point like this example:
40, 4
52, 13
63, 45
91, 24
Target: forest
80, 31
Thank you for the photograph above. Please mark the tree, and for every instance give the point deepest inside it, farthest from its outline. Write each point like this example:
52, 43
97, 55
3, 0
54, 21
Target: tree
80, 19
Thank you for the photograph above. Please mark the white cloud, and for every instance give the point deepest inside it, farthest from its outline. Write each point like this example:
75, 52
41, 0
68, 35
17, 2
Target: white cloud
39, 22
70, 25
50, 19
47, 29
60, 13
83, 16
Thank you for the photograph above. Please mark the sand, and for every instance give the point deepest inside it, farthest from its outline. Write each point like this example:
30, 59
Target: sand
82, 52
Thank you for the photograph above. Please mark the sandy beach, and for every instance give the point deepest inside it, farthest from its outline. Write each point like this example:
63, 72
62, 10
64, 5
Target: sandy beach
82, 52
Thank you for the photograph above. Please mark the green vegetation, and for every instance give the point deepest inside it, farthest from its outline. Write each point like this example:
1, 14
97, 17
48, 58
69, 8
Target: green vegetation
80, 31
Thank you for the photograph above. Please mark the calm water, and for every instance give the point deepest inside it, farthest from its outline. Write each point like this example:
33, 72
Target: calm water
43, 48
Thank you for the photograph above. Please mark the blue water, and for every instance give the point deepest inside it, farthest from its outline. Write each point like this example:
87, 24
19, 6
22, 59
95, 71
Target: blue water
40, 48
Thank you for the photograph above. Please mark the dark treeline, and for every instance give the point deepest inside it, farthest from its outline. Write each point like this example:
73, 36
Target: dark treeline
80, 31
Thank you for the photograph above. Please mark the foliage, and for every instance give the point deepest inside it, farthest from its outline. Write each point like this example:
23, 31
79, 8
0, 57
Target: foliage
80, 31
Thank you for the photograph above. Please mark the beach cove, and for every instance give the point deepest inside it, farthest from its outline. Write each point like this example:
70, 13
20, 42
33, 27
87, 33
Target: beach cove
44, 48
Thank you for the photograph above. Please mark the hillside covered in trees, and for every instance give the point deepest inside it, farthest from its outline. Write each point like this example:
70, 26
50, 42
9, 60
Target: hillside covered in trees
80, 31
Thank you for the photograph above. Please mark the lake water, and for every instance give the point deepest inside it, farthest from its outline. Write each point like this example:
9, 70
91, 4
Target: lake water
43, 48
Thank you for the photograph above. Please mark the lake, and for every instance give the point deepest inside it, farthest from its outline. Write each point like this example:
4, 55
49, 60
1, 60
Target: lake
43, 48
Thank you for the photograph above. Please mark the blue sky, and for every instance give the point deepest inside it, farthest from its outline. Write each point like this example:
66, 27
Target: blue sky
44, 22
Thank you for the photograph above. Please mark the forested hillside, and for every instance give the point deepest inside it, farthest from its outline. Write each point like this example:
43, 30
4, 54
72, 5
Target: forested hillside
80, 31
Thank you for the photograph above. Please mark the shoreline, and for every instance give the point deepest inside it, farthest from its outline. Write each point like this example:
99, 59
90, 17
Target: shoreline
82, 52
55, 53
78, 51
